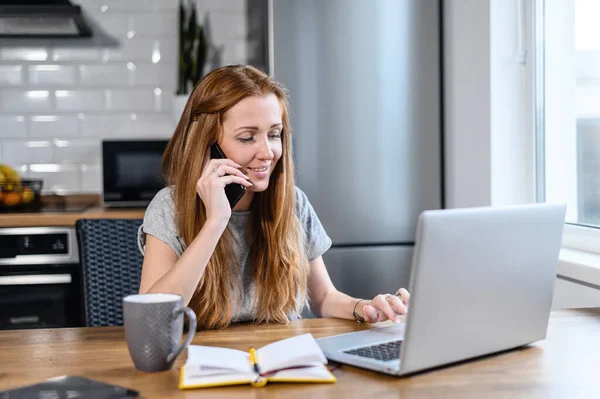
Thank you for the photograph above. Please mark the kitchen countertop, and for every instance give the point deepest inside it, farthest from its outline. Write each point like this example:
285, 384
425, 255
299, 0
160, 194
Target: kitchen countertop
66, 210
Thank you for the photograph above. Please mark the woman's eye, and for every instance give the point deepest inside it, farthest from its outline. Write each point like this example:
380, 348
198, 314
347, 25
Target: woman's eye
275, 136
246, 139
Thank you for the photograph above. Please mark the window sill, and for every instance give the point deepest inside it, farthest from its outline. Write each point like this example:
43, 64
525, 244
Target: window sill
580, 267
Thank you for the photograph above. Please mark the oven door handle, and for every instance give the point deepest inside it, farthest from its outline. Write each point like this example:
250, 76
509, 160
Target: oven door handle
36, 279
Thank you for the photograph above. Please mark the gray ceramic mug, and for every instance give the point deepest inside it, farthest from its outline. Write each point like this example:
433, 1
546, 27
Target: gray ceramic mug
153, 329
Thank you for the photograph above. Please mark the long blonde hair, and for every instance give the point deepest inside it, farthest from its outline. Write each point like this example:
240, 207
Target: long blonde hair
274, 233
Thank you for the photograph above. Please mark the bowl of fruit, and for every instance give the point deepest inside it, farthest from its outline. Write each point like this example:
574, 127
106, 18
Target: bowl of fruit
17, 194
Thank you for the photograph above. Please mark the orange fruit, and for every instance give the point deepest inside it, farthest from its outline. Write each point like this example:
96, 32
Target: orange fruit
11, 199
27, 195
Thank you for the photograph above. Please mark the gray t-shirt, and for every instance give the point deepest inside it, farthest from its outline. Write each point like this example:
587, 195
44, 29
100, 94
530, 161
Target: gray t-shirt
159, 221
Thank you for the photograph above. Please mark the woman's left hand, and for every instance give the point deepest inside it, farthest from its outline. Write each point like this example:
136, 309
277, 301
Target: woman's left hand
385, 306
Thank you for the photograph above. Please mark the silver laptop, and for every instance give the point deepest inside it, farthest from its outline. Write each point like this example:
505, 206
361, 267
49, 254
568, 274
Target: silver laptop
482, 281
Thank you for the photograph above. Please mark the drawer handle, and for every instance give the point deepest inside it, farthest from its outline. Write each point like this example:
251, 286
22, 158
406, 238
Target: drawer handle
24, 320
36, 279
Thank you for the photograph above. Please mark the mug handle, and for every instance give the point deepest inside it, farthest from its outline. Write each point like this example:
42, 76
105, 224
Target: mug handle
190, 335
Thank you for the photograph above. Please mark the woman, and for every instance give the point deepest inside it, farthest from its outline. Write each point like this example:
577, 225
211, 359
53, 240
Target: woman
262, 260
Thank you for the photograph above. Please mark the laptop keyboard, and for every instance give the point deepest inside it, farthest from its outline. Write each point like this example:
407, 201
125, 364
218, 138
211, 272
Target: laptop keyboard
386, 351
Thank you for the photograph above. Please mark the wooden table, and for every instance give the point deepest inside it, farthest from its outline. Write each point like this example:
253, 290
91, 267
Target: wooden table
565, 365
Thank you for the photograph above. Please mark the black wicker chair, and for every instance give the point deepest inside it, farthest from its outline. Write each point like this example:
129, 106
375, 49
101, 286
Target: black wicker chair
112, 266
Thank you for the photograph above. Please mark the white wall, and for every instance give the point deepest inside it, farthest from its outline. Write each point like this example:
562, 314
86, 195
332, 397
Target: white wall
58, 102
466, 103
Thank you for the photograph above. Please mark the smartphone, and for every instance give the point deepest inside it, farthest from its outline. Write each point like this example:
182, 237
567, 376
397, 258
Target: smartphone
233, 191
71, 387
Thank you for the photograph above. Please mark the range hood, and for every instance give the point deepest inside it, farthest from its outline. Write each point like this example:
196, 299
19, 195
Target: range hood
42, 19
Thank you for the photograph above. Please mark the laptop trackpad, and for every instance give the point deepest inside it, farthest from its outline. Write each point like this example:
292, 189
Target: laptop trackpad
363, 338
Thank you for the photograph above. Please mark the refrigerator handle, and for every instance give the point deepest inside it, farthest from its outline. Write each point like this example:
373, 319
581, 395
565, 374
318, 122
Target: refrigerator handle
271, 39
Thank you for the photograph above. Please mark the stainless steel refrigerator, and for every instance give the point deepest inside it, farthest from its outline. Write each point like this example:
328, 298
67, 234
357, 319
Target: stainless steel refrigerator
365, 85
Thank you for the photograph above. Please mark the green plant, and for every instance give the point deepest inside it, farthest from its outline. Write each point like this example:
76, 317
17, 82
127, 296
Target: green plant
192, 47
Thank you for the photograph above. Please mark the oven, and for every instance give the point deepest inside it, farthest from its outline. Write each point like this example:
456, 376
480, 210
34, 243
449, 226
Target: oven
40, 278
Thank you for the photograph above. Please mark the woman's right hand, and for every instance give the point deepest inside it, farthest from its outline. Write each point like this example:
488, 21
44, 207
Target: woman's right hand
210, 187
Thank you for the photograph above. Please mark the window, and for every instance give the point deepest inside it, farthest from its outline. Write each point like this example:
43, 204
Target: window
568, 111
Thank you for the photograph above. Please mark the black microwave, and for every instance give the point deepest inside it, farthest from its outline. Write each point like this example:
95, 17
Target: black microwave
131, 171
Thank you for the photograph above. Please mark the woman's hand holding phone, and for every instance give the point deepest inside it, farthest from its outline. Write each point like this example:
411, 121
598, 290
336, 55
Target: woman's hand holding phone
217, 174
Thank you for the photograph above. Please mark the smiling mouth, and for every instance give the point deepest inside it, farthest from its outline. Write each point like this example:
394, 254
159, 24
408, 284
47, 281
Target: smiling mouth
259, 170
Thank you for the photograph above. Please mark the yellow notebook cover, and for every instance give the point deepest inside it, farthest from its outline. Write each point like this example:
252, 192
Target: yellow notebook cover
296, 359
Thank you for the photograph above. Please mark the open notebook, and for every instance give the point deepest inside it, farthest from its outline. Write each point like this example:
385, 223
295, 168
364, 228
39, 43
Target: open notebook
296, 359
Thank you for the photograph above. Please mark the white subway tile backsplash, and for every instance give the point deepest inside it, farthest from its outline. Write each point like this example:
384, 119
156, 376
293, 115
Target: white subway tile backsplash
154, 125
165, 4
51, 75
144, 49
76, 151
163, 24
238, 6
76, 54
80, 100
226, 26
91, 178
161, 74
113, 125
132, 100
58, 178
12, 127
52, 126
23, 54
57, 103
132, 49
18, 152
167, 48
114, 25
117, 5
106, 75
22, 169
11, 75
18, 100
162, 99
133, 125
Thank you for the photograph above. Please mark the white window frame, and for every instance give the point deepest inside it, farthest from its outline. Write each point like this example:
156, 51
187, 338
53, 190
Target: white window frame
582, 238
580, 254
489, 120
485, 134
